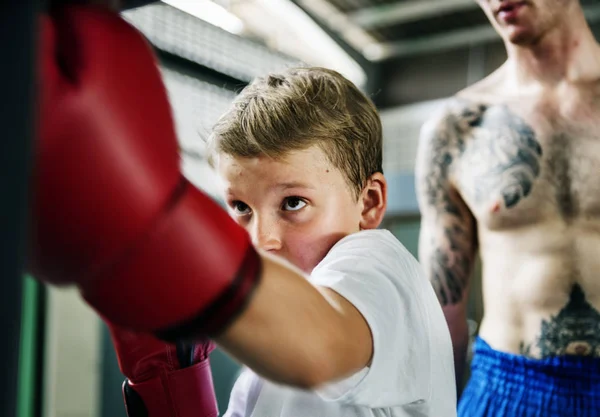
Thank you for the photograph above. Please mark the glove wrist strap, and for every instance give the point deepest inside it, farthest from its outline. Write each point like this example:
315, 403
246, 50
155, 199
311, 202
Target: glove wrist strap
188, 392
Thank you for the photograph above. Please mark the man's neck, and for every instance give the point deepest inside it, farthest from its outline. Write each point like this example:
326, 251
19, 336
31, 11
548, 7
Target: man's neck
569, 53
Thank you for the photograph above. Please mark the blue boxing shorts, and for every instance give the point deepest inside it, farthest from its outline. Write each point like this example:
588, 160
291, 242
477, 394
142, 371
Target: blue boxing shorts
508, 385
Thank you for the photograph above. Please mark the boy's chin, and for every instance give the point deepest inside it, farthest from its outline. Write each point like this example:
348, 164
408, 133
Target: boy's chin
304, 266
307, 269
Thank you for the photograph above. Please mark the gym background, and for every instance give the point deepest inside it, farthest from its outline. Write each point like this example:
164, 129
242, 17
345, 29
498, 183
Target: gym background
407, 55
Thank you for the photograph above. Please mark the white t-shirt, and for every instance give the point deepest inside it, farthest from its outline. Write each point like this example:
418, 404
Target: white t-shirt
412, 371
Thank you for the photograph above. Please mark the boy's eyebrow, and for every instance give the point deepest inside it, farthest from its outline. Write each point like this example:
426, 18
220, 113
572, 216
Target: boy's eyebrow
293, 184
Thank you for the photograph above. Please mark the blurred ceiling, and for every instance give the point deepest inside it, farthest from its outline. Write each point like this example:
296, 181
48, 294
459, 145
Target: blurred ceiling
385, 29
370, 30
400, 51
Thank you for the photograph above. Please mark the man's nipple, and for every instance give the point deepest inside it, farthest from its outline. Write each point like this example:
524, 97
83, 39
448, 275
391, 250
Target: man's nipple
495, 208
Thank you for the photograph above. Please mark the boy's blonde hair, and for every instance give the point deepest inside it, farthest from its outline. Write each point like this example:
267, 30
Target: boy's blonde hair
299, 108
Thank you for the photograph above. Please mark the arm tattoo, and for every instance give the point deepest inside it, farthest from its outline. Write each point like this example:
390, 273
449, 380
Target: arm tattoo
574, 330
453, 248
502, 155
451, 266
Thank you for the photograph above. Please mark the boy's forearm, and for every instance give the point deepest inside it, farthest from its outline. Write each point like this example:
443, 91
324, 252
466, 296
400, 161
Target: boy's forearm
290, 332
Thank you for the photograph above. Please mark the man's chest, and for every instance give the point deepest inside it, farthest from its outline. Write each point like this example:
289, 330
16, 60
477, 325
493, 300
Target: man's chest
521, 166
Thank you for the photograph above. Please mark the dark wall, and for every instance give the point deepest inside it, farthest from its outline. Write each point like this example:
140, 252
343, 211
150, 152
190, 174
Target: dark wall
437, 75
17, 40
416, 78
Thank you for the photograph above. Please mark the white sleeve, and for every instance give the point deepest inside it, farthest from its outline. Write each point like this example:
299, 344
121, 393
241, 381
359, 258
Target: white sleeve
244, 395
375, 273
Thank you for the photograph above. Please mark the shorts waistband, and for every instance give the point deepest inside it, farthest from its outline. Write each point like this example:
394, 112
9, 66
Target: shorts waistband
561, 375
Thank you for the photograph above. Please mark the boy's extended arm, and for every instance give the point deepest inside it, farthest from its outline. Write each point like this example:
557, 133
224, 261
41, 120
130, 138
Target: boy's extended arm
291, 332
297, 334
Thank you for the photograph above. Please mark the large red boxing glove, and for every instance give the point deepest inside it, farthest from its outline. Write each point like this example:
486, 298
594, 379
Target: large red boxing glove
163, 379
112, 211
113, 214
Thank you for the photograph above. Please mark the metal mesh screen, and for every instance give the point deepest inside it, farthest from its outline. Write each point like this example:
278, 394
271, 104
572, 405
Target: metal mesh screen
197, 105
401, 130
184, 35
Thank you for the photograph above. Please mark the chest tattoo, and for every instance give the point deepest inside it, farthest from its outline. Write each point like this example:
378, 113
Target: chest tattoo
503, 158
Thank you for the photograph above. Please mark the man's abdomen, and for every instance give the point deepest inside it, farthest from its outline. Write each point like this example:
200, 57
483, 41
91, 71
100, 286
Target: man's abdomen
542, 291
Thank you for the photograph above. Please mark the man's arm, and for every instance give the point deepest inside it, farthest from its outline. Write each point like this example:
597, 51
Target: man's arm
297, 334
448, 237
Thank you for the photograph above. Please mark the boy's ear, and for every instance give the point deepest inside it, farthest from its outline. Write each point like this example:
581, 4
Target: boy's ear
374, 202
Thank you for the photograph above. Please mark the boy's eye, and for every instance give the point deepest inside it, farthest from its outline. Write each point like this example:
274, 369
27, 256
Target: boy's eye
293, 204
240, 208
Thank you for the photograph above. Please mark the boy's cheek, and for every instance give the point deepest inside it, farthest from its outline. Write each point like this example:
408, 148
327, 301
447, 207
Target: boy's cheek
306, 250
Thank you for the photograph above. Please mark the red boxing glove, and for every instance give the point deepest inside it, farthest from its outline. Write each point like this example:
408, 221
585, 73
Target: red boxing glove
164, 379
112, 212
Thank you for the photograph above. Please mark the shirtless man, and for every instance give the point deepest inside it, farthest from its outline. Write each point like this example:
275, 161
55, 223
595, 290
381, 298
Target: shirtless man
510, 169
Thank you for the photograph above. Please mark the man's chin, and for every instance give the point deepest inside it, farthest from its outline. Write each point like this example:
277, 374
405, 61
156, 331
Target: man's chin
521, 37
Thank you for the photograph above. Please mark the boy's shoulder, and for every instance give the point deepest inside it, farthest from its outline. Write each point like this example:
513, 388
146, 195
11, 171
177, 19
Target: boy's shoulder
370, 242
378, 247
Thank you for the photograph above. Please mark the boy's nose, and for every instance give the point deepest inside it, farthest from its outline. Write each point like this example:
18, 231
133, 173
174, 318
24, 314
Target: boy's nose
265, 235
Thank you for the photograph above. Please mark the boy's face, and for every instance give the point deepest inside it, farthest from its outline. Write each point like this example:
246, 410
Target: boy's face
297, 207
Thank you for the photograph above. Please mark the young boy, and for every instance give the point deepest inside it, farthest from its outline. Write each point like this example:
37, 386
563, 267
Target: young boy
300, 156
